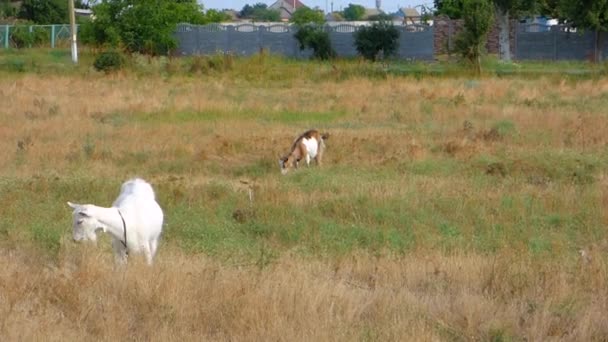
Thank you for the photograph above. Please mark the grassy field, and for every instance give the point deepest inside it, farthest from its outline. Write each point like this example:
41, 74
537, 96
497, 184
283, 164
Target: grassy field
448, 208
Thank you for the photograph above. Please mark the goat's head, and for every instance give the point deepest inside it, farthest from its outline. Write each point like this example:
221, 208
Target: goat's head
288, 162
84, 223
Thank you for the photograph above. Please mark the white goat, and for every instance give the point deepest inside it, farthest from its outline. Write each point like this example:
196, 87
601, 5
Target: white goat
134, 221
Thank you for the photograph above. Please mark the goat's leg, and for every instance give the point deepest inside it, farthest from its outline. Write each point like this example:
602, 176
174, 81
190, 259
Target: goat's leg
147, 253
153, 246
319, 156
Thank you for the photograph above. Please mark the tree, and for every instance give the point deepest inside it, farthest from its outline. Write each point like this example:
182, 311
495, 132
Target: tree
259, 12
379, 38
7, 9
505, 10
215, 16
587, 15
450, 8
310, 32
353, 12
549, 8
144, 26
44, 12
305, 15
266, 15
246, 12
471, 41
313, 36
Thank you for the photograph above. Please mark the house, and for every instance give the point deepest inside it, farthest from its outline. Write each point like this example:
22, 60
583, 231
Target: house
538, 23
371, 13
232, 15
409, 15
286, 8
334, 16
83, 12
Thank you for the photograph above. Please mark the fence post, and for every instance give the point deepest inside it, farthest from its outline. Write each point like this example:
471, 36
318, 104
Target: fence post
260, 39
516, 25
31, 30
555, 44
6, 35
52, 36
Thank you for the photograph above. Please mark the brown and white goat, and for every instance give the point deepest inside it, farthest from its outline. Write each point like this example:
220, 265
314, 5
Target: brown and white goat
309, 145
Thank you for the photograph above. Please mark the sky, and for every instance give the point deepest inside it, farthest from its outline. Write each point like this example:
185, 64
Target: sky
386, 5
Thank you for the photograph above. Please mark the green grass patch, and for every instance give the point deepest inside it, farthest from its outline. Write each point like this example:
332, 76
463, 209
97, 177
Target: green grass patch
186, 117
262, 68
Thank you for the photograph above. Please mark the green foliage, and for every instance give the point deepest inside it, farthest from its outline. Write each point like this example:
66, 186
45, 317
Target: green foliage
259, 12
585, 14
215, 16
7, 9
478, 18
109, 61
450, 8
21, 36
144, 26
353, 12
267, 15
518, 7
455, 8
45, 11
248, 10
305, 15
549, 8
316, 38
380, 37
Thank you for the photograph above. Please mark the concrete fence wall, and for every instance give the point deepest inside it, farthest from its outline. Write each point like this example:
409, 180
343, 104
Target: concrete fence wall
558, 42
415, 41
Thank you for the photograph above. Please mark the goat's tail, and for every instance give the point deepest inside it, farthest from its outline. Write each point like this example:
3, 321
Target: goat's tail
325, 136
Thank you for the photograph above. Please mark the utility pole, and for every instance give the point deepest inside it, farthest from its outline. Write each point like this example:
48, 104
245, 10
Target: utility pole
73, 31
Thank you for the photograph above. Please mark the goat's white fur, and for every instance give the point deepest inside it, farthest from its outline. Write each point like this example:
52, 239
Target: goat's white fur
142, 215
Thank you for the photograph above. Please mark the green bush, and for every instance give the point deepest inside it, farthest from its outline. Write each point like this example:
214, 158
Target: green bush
109, 61
20, 36
315, 37
379, 38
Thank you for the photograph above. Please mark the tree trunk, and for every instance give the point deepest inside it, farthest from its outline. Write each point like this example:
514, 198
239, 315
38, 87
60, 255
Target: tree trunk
598, 46
504, 43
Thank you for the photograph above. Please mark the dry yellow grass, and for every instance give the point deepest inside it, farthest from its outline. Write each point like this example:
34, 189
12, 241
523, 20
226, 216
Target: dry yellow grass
53, 116
424, 297
183, 132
